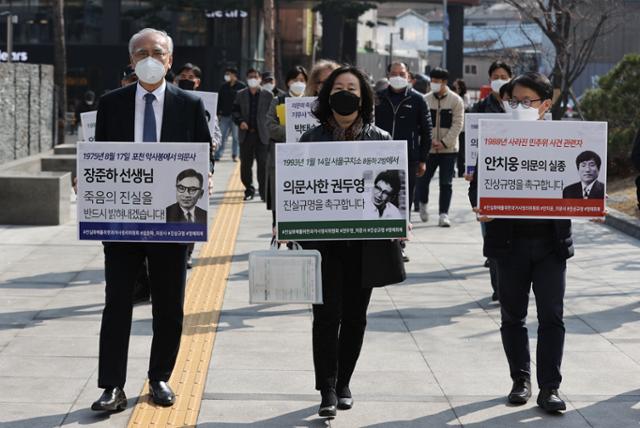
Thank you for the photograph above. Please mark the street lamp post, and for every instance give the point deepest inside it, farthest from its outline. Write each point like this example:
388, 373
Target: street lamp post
445, 33
391, 34
11, 19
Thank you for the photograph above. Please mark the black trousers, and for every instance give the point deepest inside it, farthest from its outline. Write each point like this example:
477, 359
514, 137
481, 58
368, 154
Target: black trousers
446, 162
461, 155
412, 170
339, 324
252, 149
533, 261
167, 273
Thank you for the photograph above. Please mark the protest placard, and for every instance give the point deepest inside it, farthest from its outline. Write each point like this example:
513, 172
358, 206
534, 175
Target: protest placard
471, 137
542, 169
299, 118
210, 101
143, 191
341, 190
88, 125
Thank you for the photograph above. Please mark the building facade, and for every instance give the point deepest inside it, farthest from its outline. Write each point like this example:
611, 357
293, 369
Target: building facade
97, 34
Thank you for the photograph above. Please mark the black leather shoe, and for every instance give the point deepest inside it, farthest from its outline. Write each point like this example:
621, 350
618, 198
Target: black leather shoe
111, 400
328, 404
520, 391
248, 197
161, 393
345, 400
550, 400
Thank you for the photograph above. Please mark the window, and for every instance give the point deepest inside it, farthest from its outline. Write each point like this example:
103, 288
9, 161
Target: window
470, 69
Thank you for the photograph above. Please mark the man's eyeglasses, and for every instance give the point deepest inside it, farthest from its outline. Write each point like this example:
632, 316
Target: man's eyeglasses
191, 190
525, 103
158, 54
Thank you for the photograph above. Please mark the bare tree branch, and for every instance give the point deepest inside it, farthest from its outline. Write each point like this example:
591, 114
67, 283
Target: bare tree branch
573, 27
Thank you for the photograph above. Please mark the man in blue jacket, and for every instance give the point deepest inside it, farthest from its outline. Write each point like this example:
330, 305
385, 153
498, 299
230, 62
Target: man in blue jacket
403, 112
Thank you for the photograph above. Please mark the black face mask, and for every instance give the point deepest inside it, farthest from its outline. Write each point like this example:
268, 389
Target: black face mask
187, 85
344, 103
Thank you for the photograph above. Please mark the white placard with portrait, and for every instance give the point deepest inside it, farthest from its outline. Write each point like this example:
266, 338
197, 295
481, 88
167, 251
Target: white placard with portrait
542, 169
342, 190
155, 192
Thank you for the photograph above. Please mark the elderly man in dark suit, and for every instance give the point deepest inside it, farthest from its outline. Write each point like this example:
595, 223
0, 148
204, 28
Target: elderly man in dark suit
188, 192
250, 113
148, 112
588, 164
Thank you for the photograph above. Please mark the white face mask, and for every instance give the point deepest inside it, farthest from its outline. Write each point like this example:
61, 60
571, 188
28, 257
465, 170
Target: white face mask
398, 82
435, 87
227, 78
253, 83
150, 70
268, 87
297, 88
497, 84
507, 107
522, 113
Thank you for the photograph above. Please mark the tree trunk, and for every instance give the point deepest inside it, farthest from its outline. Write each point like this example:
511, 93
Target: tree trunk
269, 33
60, 68
279, 69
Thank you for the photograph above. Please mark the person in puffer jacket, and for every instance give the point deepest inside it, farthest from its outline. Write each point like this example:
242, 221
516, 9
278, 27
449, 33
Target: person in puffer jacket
447, 118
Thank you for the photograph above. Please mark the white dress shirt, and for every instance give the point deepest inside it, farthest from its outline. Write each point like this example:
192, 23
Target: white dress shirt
193, 214
587, 189
158, 105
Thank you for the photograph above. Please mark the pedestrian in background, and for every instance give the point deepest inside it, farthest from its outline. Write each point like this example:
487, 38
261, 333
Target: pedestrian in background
188, 77
88, 103
460, 88
404, 114
499, 74
296, 81
421, 83
250, 114
447, 120
270, 84
226, 96
349, 268
319, 73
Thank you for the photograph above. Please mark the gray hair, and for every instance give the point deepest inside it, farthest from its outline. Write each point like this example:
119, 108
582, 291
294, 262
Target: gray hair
144, 31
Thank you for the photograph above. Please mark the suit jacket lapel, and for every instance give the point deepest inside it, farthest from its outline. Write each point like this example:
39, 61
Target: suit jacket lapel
170, 113
129, 113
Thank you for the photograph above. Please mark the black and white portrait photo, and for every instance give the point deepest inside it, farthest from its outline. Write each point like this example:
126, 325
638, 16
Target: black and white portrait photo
588, 164
189, 190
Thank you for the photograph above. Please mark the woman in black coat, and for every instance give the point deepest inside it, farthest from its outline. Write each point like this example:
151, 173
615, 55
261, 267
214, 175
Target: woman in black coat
530, 254
349, 268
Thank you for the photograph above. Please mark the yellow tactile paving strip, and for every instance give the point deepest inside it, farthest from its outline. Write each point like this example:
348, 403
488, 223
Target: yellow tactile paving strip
203, 302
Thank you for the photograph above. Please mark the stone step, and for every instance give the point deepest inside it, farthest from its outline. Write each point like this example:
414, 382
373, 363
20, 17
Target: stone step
65, 163
65, 149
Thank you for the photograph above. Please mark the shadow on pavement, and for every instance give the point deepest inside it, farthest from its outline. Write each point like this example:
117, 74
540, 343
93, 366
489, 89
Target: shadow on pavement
418, 319
78, 278
625, 409
292, 419
84, 416
27, 319
234, 319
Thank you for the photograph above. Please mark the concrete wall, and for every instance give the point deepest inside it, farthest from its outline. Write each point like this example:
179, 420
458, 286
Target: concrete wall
26, 110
